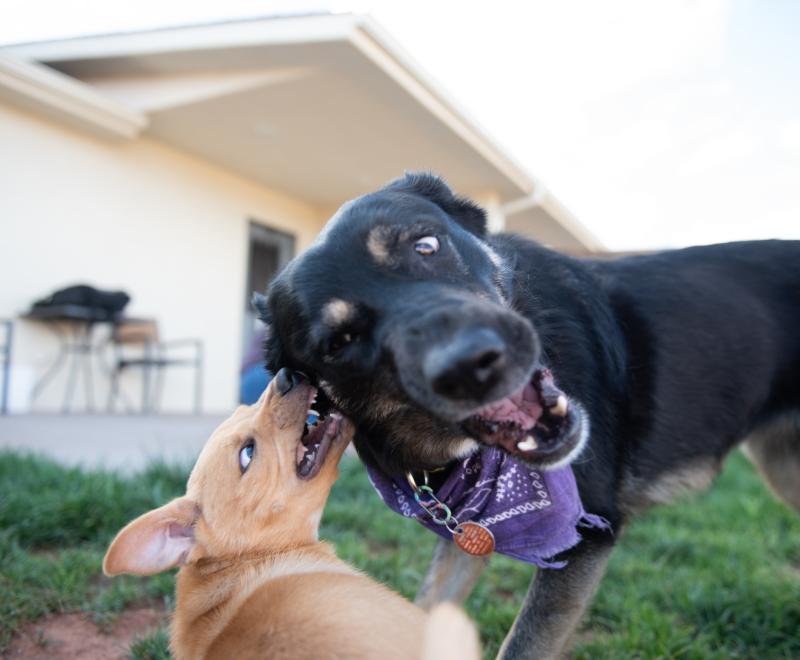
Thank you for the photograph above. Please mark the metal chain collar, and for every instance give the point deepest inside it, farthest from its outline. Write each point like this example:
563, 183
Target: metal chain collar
438, 511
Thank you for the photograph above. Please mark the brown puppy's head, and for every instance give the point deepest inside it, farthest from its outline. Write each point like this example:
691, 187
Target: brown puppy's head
259, 486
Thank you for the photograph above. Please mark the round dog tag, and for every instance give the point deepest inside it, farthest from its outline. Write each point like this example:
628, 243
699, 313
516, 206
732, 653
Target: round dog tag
474, 539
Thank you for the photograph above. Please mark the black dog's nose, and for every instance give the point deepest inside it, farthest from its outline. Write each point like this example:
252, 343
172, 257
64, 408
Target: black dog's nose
286, 379
467, 367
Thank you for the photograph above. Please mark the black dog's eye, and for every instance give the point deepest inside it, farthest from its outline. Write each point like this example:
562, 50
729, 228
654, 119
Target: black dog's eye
426, 246
340, 341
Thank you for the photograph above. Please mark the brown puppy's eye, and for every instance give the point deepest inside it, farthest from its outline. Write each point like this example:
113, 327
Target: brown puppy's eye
246, 455
427, 246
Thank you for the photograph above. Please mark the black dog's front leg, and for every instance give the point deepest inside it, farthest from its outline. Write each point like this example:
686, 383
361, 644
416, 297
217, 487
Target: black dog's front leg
555, 603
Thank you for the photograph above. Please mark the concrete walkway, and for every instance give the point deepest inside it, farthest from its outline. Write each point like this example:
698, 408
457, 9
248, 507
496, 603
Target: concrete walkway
119, 442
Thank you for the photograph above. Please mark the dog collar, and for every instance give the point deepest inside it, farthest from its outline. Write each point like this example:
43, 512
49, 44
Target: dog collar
532, 515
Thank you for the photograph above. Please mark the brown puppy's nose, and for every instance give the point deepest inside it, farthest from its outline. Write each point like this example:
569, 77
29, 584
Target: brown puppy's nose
286, 379
468, 366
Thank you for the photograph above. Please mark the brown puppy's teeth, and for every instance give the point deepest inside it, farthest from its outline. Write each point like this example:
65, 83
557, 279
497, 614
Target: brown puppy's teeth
528, 444
313, 449
559, 409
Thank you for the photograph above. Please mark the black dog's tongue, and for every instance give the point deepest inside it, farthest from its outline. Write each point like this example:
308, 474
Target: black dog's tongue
522, 408
528, 420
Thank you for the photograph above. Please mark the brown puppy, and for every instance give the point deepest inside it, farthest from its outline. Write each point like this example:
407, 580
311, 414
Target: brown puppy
255, 581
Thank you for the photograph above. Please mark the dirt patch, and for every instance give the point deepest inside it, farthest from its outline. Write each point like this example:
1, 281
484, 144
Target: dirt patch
69, 636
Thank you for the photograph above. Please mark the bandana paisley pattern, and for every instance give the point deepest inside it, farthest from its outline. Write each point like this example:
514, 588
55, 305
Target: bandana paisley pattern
533, 514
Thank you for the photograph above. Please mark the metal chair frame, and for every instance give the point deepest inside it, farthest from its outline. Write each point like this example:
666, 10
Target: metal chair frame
153, 360
5, 353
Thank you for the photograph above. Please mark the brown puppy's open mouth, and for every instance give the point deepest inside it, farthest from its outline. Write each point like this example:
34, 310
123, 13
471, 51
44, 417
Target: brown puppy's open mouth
318, 435
534, 422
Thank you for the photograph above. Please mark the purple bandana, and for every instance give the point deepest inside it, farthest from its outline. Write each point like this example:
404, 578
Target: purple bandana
533, 515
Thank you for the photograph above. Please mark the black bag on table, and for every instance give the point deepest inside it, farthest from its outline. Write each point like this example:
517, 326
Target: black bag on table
83, 295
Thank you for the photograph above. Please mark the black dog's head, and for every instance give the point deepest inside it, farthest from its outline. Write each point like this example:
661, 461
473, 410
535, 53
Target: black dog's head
400, 312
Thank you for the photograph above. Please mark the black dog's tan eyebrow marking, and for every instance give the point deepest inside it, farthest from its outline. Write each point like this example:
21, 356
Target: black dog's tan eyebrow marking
379, 240
337, 312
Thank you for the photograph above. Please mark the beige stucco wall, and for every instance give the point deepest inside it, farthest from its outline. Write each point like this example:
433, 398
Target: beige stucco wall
168, 228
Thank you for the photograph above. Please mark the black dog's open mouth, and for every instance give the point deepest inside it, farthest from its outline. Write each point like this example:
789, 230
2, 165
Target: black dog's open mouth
315, 443
535, 422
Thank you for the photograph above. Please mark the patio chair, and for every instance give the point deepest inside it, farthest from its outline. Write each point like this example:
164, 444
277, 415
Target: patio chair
5, 355
136, 344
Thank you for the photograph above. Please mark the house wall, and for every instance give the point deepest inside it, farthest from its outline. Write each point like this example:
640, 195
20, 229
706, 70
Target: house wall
169, 229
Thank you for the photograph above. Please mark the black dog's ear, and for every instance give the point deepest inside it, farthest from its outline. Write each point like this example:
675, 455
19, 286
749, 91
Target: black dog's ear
259, 303
464, 211
274, 355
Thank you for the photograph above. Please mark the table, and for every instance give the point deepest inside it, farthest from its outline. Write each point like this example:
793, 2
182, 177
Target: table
73, 325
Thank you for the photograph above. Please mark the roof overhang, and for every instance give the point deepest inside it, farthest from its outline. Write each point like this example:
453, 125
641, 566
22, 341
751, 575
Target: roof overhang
322, 107
39, 88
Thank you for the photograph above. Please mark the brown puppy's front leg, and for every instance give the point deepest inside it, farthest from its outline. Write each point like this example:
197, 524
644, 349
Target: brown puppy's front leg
555, 603
451, 575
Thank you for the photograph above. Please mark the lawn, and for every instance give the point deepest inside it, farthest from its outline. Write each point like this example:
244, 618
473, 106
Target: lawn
713, 576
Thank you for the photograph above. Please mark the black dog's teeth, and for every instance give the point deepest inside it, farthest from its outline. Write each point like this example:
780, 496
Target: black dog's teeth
500, 431
511, 432
547, 430
478, 426
551, 424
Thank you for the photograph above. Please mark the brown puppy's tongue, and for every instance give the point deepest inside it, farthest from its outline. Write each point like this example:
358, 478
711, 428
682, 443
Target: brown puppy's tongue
314, 446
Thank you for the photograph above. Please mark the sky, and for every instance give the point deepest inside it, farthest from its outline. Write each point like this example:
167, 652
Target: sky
657, 123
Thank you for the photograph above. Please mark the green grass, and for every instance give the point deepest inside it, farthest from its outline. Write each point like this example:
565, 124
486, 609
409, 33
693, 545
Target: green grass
715, 576
154, 646
55, 524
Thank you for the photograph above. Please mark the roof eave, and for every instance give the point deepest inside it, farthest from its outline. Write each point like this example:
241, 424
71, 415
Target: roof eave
211, 36
380, 47
360, 31
43, 90
363, 34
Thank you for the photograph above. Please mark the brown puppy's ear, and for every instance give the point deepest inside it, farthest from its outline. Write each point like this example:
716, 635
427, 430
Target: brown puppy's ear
155, 542
462, 210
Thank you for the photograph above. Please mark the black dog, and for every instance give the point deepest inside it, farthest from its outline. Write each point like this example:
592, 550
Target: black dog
650, 368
